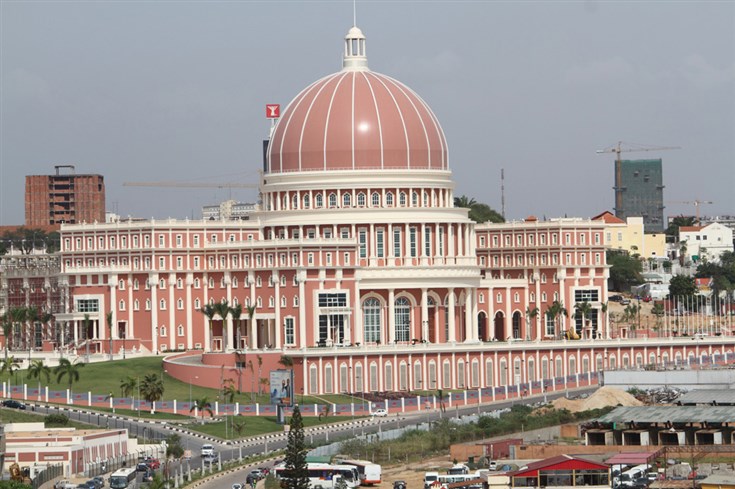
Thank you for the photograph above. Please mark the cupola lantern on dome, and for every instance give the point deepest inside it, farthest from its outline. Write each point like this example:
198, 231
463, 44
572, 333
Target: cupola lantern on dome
355, 58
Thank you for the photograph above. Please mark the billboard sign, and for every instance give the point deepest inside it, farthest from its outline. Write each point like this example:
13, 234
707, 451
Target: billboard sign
281, 386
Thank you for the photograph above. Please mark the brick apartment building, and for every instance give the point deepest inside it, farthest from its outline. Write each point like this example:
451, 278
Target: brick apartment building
64, 198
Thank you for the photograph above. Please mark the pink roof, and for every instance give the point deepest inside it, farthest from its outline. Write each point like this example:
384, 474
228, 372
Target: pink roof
354, 120
608, 218
690, 229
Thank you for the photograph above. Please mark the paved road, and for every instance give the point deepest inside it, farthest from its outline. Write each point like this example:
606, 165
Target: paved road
157, 431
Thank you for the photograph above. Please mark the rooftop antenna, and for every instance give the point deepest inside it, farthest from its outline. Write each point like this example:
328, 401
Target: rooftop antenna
354, 13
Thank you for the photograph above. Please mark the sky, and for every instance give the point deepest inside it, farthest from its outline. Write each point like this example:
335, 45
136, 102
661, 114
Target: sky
176, 90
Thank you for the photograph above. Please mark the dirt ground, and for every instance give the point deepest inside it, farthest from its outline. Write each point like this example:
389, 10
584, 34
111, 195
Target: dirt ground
413, 474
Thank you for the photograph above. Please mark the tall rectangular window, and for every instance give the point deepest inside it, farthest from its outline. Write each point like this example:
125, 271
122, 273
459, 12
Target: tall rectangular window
379, 239
289, 328
427, 241
397, 242
440, 241
412, 241
362, 241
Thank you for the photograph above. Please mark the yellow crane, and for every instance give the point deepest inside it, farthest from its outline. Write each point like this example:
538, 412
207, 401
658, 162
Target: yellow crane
624, 147
696, 203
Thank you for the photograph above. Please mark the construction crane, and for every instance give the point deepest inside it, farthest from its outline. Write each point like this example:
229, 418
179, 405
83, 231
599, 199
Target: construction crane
696, 203
630, 148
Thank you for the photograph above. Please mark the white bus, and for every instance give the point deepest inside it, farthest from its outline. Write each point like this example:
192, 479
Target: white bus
120, 479
324, 475
443, 480
370, 473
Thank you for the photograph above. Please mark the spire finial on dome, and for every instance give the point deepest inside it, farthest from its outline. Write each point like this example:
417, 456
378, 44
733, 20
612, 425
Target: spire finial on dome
355, 58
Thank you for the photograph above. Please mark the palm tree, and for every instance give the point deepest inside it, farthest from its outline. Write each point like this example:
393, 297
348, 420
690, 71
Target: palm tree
252, 380
9, 366
18, 315
251, 315
658, 311
7, 325
554, 311
45, 319
128, 385
222, 309
236, 312
108, 318
151, 389
582, 310
68, 370
239, 426
229, 391
37, 370
209, 312
603, 310
262, 384
286, 361
202, 405
531, 315
260, 367
464, 202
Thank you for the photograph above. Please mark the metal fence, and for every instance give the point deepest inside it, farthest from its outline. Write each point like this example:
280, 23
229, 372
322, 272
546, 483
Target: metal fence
51, 472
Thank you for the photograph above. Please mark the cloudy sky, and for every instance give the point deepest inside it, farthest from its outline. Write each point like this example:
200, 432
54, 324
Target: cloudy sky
169, 90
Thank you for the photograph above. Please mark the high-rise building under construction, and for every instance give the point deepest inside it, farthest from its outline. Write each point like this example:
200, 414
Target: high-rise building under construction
65, 197
639, 192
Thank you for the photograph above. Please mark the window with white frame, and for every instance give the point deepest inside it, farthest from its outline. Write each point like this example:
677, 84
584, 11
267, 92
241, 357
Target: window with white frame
412, 242
375, 199
402, 199
332, 200
290, 331
380, 243
346, 200
371, 313
389, 199
397, 242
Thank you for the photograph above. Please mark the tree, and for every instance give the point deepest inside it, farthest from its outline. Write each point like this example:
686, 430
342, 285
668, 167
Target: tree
603, 310
658, 311
7, 325
9, 366
236, 312
18, 315
151, 388
222, 309
173, 447
37, 370
531, 314
202, 405
69, 370
128, 386
252, 380
582, 310
625, 270
478, 212
209, 311
238, 425
677, 222
251, 315
108, 318
229, 391
296, 473
45, 318
32, 316
260, 368
682, 286
554, 312
85, 336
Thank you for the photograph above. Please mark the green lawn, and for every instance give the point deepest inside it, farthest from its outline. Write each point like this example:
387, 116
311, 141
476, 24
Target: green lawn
17, 416
257, 425
104, 378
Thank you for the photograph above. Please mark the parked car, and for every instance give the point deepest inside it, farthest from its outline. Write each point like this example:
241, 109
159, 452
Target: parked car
211, 459
493, 465
207, 450
94, 483
380, 413
64, 484
153, 463
12, 403
141, 467
615, 298
624, 301
100, 480
399, 484
148, 476
84, 485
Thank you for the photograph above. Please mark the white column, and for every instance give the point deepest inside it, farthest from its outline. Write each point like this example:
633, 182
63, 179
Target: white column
113, 306
391, 316
227, 333
302, 313
189, 305
205, 298
424, 314
130, 326
254, 322
153, 278
357, 328
277, 279
450, 314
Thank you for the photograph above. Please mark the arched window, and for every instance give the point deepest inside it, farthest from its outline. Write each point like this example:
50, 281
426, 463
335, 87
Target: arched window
319, 201
295, 202
432, 375
371, 320
489, 373
344, 378
346, 200
328, 378
162, 330
313, 380
361, 199
389, 199
332, 200
426, 199
402, 376
402, 319
572, 365
446, 375
373, 377
418, 380
307, 201
475, 373
180, 330
388, 379
415, 199
359, 379
375, 199
402, 199
503, 372
531, 373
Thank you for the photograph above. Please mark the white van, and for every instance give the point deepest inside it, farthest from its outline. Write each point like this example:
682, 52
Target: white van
207, 450
633, 473
430, 478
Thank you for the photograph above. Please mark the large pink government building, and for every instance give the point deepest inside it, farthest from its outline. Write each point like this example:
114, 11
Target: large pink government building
357, 264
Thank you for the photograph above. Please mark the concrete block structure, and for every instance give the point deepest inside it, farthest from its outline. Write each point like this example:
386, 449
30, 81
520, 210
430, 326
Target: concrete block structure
64, 198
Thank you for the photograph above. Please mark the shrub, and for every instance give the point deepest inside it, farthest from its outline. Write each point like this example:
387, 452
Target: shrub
55, 420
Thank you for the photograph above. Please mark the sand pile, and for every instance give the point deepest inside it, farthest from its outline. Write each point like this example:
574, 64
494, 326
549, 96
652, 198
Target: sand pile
603, 397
